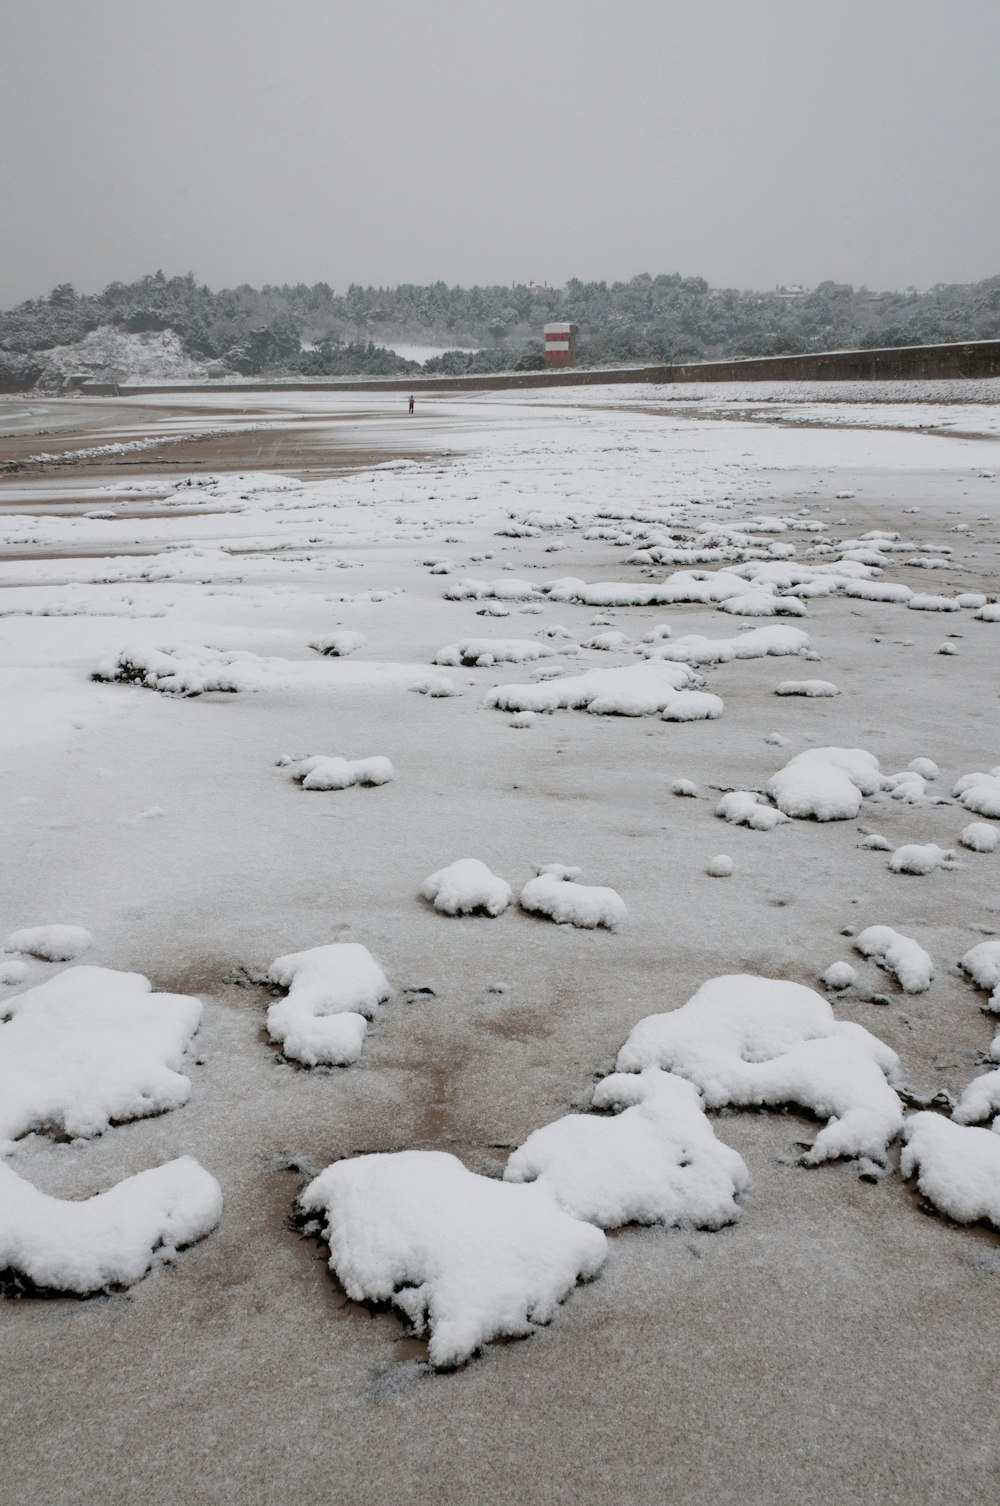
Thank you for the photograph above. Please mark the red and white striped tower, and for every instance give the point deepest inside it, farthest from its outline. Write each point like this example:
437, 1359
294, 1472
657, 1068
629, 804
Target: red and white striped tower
560, 344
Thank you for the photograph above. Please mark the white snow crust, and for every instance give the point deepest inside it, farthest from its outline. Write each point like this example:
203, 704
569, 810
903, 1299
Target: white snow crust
979, 836
332, 991
922, 858
635, 690
721, 866
106, 1241
752, 1042
980, 793
323, 772
745, 808
483, 652
826, 784
957, 1168
192, 671
982, 963
758, 643
50, 943
839, 975
556, 893
339, 644
464, 1257
90, 1046
466, 886
811, 688
656, 1162
898, 954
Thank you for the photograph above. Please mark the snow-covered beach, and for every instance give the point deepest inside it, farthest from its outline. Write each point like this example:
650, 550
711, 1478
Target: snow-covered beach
411, 768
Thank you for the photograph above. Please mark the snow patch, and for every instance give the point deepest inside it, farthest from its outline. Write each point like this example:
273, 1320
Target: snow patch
465, 1258
756, 1042
338, 645
980, 793
634, 690
658, 1162
898, 954
807, 688
483, 652
556, 893
50, 943
465, 887
334, 773
88, 1047
745, 808
957, 1168
107, 1241
331, 991
922, 859
826, 784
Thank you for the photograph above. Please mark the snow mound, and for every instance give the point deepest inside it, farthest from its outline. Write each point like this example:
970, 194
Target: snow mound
331, 991
334, 773
744, 808
980, 793
721, 866
988, 613
482, 652
465, 1258
610, 642
922, 858
91, 1046
556, 893
338, 645
467, 886
925, 603
898, 954
763, 603
978, 836
12, 970
925, 767
754, 1042
635, 690
684, 787
658, 1162
110, 1240
877, 590
957, 1168
807, 688
981, 1099
826, 783
757, 643
191, 671
839, 975
50, 943
982, 963
510, 589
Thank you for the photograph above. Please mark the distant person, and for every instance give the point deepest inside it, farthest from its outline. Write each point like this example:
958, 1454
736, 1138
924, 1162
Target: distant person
411, 405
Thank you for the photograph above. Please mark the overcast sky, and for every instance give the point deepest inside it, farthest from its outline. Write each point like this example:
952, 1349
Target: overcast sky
751, 142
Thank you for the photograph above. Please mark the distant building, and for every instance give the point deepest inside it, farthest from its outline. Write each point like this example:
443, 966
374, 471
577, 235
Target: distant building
560, 344
794, 290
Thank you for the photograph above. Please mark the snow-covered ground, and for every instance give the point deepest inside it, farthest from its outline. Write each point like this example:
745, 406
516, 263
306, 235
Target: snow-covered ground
278, 1047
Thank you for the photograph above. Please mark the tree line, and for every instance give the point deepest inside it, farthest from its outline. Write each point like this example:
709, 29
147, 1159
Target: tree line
297, 329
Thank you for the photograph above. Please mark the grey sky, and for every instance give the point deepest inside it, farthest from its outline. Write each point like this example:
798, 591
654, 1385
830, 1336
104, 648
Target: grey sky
747, 141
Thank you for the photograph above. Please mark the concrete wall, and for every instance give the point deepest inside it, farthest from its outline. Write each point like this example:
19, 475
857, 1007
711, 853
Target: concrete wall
976, 358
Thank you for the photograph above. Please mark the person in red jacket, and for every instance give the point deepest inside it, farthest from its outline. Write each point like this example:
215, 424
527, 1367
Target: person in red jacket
411, 404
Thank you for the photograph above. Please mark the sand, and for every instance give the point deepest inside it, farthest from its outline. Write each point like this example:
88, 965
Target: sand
835, 1345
